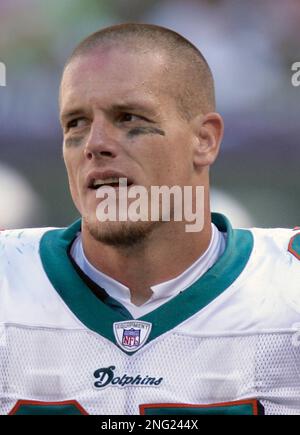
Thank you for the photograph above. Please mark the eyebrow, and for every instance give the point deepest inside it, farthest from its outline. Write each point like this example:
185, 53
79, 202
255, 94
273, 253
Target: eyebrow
121, 107
131, 107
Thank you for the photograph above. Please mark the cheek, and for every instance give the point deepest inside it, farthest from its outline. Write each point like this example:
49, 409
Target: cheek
69, 166
175, 160
168, 169
72, 171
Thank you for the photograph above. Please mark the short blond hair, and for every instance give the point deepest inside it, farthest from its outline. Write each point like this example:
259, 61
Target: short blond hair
191, 80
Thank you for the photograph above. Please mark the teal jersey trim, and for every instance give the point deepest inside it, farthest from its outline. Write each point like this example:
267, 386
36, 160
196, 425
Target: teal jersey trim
99, 316
294, 246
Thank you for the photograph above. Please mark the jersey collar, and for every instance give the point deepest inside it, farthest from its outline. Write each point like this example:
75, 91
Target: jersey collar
100, 317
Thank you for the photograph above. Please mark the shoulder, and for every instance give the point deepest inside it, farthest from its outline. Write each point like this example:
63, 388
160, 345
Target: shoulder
19, 250
281, 244
265, 296
270, 284
22, 234
275, 262
27, 295
20, 241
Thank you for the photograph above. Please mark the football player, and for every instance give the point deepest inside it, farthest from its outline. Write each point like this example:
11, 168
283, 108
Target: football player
141, 316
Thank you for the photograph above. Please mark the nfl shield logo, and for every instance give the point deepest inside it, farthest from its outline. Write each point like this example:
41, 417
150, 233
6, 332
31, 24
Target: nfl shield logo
131, 337
132, 334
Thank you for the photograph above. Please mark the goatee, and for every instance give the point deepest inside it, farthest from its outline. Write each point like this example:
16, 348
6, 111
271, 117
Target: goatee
120, 234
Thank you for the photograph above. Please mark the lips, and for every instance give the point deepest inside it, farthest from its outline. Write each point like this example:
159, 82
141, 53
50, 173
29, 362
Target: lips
111, 178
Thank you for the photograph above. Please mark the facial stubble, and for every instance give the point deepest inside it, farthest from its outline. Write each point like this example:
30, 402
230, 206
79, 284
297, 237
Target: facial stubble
120, 234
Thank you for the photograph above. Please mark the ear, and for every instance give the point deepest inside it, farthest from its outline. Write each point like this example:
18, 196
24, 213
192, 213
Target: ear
209, 129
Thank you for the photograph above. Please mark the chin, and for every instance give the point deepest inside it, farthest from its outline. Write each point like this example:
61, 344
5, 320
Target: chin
119, 234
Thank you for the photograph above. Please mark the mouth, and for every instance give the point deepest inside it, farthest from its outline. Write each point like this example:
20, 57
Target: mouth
96, 180
111, 181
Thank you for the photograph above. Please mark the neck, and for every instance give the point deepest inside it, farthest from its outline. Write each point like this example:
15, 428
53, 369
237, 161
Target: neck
163, 255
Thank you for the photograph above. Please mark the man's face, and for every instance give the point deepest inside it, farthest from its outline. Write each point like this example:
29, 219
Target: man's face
120, 120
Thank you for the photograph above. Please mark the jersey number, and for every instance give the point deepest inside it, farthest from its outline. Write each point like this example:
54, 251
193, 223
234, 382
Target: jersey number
72, 407
30, 407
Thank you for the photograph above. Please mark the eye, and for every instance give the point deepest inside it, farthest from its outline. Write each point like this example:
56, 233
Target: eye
130, 117
76, 123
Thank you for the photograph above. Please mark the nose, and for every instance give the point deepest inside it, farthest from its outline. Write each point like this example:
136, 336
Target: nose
100, 143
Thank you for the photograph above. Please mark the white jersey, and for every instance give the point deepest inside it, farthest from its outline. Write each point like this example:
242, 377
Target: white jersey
228, 344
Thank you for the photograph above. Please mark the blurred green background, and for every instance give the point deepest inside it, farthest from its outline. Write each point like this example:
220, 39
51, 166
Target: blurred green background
250, 46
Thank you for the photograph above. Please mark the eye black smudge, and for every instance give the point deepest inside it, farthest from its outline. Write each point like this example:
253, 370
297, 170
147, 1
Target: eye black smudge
73, 141
145, 130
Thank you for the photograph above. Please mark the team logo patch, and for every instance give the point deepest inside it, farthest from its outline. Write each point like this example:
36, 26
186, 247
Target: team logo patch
132, 334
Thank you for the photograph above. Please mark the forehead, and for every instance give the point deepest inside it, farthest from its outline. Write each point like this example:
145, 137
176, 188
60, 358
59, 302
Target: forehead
114, 76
